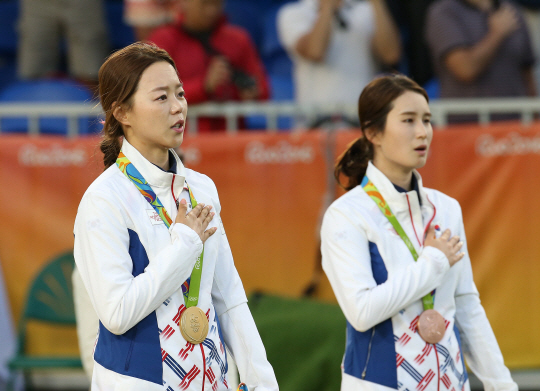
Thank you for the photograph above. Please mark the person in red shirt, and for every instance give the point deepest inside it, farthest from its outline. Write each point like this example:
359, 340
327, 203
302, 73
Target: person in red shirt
216, 61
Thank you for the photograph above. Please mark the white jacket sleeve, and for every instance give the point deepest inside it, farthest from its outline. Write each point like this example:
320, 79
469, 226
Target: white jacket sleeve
293, 22
87, 323
480, 347
102, 255
347, 263
237, 324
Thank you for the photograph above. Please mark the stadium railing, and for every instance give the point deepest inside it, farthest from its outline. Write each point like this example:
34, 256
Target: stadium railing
526, 108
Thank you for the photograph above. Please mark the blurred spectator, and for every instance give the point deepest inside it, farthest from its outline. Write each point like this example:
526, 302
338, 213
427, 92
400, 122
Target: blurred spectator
216, 61
480, 49
145, 15
42, 26
337, 46
531, 9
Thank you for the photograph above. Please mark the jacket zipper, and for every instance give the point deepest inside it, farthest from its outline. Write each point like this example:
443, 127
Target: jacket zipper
128, 358
423, 240
438, 368
412, 221
368, 354
172, 192
204, 366
430, 221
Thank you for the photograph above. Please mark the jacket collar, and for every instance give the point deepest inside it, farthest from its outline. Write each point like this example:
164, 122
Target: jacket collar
413, 217
396, 200
153, 175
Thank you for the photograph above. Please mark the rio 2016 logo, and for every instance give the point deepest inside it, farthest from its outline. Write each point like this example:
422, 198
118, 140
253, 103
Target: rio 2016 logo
283, 152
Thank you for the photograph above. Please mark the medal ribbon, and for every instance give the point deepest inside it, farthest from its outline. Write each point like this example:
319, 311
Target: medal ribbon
372, 191
131, 172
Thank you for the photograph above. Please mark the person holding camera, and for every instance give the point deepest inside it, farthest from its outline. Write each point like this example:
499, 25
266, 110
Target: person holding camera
216, 60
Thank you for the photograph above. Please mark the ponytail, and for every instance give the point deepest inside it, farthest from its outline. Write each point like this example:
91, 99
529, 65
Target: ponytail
110, 143
353, 162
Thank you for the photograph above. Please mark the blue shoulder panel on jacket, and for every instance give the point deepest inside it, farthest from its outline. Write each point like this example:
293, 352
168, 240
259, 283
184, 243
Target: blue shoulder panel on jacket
380, 368
137, 352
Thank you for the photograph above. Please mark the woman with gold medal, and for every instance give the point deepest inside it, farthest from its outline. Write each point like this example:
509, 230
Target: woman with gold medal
396, 256
152, 251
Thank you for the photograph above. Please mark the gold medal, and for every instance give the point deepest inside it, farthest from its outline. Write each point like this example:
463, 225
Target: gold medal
194, 325
431, 326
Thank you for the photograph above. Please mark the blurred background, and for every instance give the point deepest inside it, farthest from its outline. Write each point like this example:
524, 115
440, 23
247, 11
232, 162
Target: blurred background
270, 108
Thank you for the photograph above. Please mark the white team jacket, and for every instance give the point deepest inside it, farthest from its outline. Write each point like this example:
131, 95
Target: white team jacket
133, 268
379, 287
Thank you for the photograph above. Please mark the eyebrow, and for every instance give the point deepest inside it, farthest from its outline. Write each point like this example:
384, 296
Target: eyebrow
414, 113
166, 88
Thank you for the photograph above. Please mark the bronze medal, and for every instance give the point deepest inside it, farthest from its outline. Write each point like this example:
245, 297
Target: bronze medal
194, 325
431, 326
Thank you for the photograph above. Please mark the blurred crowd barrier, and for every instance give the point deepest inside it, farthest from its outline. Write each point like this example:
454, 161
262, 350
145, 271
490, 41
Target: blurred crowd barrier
83, 118
273, 189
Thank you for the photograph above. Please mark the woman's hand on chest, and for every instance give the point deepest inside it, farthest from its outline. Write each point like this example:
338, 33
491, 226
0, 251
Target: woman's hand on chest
449, 245
197, 219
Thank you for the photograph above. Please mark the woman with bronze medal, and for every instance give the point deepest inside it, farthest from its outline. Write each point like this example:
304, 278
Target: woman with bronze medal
152, 251
396, 256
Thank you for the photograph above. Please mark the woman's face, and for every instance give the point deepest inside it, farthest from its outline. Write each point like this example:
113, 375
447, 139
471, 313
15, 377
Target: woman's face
404, 143
156, 119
